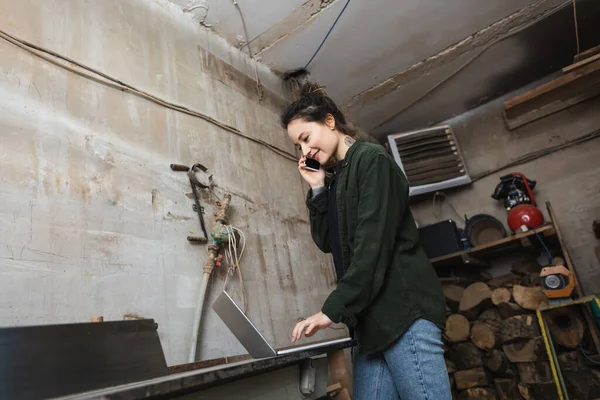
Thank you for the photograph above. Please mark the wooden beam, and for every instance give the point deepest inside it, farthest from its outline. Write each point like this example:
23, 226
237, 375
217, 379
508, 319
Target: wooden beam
566, 91
581, 63
569, 264
586, 54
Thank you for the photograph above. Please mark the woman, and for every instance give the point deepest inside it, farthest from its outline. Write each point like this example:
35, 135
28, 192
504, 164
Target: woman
387, 292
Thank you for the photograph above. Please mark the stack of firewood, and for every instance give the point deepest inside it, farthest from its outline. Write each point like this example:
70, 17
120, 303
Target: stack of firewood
494, 347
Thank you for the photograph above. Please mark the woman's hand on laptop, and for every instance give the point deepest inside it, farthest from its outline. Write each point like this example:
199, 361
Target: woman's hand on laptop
310, 326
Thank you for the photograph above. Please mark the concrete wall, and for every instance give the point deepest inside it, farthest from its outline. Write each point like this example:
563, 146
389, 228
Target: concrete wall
93, 220
569, 179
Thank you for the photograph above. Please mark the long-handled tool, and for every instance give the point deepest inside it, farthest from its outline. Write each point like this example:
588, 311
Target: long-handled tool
194, 183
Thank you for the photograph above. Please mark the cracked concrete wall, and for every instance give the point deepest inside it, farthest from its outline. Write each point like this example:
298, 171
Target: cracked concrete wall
569, 179
93, 220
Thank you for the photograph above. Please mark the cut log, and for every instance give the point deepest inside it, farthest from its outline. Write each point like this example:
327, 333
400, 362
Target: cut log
566, 327
538, 391
532, 279
457, 328
475, 299
507, 389
476, 394
470, 378
498, 364
529, 351
581, 382
526, 267
453, 295
491, 314
507, 310
520, 327
500, 295
507, 280
484, 335
535, 372
529, 298
450, 366
465, 356
558, 261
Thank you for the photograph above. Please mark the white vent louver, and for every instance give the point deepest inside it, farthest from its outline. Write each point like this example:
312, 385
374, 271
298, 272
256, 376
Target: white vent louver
430, 158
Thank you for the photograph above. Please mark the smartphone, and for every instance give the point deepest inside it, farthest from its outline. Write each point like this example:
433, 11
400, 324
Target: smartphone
312, 165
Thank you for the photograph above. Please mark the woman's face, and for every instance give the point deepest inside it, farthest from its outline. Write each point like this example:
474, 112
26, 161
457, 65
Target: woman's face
316, 140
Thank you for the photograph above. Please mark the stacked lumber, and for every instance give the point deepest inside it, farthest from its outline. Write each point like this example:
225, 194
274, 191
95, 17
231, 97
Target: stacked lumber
495, 348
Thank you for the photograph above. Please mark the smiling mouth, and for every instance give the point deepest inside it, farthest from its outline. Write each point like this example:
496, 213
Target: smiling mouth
314, 156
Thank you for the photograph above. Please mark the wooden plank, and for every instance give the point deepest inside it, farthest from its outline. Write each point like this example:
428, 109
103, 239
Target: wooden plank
569, 265
586, 54
493, 248
580, 64
570, 89
339, 371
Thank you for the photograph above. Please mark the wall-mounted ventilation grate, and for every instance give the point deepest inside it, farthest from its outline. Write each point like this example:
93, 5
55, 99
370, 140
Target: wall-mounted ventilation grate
430, 158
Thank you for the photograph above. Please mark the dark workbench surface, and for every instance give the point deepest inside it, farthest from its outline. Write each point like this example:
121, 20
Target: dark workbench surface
187, 382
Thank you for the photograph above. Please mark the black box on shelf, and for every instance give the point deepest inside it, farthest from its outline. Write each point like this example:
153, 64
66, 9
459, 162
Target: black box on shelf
440, 238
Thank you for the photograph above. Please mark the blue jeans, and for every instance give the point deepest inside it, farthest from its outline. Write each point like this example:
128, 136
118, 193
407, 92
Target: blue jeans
412, 368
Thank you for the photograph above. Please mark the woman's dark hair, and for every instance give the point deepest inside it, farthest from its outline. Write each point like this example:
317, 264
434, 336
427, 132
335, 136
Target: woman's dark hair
312, 104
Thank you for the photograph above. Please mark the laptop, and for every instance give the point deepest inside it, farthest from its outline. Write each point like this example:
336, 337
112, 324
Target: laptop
250, 337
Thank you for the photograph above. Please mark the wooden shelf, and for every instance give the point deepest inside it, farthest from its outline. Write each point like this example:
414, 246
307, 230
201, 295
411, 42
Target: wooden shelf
479, 255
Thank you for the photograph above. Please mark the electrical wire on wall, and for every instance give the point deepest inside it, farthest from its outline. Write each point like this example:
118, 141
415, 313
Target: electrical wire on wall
539, 154
327, 35
233, 260
104, 79
204, 7
258, 84
576, 26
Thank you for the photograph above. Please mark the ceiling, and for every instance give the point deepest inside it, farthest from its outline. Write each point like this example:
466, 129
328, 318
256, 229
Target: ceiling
397, 66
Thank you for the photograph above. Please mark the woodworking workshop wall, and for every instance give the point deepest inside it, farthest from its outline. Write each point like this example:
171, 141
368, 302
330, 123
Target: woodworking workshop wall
569, 179
93, 221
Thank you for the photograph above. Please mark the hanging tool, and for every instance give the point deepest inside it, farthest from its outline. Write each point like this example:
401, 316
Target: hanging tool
205, 183
517, 192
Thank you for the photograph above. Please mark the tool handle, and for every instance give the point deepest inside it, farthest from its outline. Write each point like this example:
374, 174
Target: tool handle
180, 168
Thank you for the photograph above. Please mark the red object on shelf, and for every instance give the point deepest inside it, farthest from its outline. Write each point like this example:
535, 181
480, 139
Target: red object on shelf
525, 214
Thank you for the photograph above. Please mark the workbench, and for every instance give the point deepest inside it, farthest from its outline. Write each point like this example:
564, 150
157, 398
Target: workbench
269, 377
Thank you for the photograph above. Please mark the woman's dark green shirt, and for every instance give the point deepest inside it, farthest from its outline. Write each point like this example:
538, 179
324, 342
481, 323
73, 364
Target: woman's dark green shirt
389, 281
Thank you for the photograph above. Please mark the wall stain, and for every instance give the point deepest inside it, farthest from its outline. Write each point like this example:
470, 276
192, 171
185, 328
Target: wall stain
262, 262
294, 221
170, 216
132, 316
156, 203
85, 192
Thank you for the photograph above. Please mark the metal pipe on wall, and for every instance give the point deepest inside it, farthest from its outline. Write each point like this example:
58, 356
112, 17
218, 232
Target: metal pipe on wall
217, 240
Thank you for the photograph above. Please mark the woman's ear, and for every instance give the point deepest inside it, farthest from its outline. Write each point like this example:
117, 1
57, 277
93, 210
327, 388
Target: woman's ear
330, 121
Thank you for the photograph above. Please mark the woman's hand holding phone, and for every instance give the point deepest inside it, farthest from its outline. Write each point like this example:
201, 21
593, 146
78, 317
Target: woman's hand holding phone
314, 179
